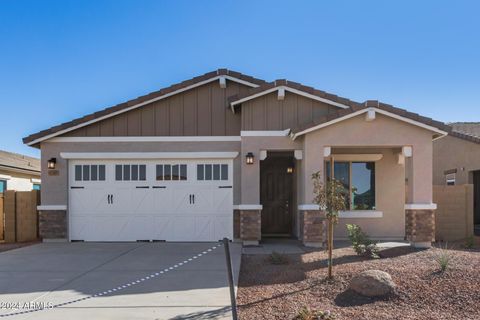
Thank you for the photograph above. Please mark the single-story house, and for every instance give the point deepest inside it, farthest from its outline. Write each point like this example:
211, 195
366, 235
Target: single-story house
19, 172
229, 155
456, 162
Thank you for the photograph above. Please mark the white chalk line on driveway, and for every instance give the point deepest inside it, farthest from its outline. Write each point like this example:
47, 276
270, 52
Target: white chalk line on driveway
118, 288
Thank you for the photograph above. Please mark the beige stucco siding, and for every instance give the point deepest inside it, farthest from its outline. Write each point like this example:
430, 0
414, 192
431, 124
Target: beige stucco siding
269, 113
55, 188
18, 181
382, 132
201, 111
455, 153
389, 199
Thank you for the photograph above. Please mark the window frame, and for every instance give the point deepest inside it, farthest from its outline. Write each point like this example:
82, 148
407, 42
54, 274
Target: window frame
350, 198
89, 166
5, 183
449, 181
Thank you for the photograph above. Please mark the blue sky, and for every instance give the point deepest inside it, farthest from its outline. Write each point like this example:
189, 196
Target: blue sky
64, 59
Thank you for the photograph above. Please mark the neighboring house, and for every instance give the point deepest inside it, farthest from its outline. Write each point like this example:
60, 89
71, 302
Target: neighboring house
456, 161
229, 155
19, 172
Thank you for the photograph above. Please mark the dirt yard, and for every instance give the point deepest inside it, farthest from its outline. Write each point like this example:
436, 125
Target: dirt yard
279, 291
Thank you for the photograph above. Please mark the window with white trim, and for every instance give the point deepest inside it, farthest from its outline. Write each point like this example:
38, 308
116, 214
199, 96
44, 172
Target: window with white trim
212, 172
171, 172
450, 179
130, 172
89, 172
358, 178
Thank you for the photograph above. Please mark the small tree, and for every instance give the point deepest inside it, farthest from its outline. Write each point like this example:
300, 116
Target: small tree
331, 197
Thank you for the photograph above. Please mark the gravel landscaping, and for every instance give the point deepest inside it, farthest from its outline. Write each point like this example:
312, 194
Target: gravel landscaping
279, 291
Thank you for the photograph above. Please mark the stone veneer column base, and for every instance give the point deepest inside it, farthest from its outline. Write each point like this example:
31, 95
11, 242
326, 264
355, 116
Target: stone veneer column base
250, 227
312, 228
420, 227
52, 225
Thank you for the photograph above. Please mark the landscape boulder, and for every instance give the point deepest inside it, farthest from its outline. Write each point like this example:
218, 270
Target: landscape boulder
372, 283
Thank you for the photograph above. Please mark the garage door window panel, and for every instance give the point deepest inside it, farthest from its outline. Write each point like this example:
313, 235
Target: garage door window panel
212, 172
171, 172
89, 172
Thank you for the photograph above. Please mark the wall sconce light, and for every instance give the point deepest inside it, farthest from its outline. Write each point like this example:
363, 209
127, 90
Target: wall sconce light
51, 163
290, 169
249, 158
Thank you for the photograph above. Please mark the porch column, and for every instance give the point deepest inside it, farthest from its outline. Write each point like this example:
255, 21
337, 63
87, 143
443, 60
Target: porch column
250, 208
311, 217
419, 209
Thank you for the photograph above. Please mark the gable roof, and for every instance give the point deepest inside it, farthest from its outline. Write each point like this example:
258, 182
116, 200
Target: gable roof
469, 131
346, 108
142, 100
383, 108
294, 87
10, 160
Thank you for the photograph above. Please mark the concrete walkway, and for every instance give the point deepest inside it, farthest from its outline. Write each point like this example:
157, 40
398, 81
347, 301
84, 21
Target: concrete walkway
53, 273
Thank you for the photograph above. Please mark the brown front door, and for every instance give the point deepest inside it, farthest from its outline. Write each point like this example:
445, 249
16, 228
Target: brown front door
276, 195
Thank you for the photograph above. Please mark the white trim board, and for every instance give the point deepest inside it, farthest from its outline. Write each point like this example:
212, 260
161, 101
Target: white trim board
52, 207
359, 112
305, 207
420, 206
265, 133
360, 214
292, 90
248, 207
81, 125
148, 139
149, 155
356, 157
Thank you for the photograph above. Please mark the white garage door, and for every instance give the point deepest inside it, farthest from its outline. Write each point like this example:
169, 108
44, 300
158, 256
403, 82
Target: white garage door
172, 200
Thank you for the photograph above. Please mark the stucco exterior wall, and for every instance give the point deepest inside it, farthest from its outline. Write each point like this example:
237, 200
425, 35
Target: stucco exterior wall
382, 132
18, 181
389, 199
455, 153
55, 187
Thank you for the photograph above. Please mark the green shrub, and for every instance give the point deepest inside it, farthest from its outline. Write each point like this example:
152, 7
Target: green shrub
278, 258
443, 257
361, 242
469, 242
309, 314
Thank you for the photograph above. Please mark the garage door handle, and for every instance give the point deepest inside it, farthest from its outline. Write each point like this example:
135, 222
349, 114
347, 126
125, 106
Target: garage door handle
142, 187
77, 187
108, 199
193, 198
159, 187
225, 187
190, 199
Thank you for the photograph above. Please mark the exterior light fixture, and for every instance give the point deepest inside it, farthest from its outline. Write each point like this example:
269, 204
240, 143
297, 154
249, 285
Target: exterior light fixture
249, 158
51, 163
290, 169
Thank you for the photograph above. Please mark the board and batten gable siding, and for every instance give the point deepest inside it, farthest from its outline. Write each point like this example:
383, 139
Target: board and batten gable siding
269, 113
202, 111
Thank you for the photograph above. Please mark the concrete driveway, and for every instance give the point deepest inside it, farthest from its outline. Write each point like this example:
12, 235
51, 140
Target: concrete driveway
54, 273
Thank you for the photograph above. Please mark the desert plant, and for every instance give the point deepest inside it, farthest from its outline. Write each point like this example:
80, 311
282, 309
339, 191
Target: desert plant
469, 242
305, 314
308, 314
278, 258
361, 243
443, 257
330, 196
